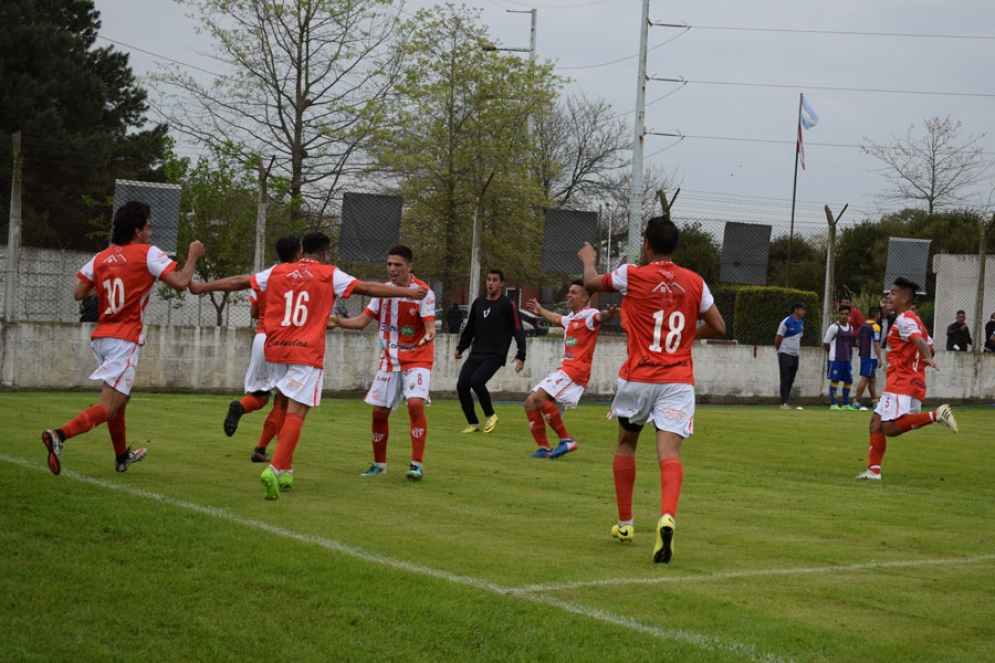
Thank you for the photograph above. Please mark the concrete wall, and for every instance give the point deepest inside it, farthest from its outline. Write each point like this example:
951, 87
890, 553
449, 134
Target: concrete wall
52, 355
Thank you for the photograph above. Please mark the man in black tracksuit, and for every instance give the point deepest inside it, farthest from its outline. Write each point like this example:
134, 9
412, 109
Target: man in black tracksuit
492, 322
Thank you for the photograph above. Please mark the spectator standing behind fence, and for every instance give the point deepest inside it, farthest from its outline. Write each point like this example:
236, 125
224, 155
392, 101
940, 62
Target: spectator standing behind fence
838, 344
455, 318
990, 335
856, 316
869, 351
788, 342
958, 335
493, 322
123, 276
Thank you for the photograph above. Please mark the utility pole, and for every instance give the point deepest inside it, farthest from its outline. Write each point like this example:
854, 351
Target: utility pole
14, 235
636, 192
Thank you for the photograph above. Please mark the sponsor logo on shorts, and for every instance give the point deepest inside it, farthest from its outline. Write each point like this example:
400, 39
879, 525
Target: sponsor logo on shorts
674, 414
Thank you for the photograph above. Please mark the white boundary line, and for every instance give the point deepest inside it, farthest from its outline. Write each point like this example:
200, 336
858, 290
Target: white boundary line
531, 594
758, 573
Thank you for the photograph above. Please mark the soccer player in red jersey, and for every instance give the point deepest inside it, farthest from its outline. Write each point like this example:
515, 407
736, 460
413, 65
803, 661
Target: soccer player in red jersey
899, 409
300, 297
406, 329
563, 387
661, 306
258, 382
122, 276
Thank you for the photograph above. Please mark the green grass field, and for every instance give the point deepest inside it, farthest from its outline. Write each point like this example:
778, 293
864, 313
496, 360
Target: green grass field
780, 554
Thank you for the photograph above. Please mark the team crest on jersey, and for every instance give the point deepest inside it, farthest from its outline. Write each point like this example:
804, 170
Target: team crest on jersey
487, 312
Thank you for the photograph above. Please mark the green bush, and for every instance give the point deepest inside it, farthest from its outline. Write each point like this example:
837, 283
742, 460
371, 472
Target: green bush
759, 310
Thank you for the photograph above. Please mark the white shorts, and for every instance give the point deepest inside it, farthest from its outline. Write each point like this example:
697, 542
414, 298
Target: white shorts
669, 407
299, 382
895, 406
389, 386
117, 360
564, 391
259, 376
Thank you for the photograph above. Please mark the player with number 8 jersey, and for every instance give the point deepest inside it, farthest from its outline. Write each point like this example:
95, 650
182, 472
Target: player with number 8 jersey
661, 306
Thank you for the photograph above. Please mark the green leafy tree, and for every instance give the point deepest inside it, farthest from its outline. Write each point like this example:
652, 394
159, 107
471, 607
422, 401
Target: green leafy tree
79, 110
808, 263
698, 251
455, 138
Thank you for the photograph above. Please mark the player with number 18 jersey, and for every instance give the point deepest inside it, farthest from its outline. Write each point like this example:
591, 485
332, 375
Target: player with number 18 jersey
661, 304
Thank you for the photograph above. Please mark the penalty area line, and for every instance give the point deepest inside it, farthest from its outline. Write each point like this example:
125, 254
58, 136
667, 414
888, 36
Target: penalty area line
704, 642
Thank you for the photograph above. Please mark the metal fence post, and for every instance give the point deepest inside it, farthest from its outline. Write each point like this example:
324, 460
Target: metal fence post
14, 234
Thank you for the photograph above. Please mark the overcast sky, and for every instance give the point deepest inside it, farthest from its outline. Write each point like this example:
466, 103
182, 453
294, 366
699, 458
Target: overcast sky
746, 64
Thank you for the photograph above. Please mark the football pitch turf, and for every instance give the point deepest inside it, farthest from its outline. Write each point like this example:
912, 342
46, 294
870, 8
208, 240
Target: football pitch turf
780, 554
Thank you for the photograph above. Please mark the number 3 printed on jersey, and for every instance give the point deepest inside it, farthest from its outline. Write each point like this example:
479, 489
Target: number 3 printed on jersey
675, 325
295, 312
115, 295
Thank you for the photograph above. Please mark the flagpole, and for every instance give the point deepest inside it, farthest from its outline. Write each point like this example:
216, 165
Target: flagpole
794, 192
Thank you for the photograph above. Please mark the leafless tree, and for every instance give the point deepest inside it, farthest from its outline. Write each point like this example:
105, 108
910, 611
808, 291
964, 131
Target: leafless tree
932, 166
299, 75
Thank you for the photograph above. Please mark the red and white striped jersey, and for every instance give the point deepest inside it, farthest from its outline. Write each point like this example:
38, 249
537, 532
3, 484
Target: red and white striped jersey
402, 325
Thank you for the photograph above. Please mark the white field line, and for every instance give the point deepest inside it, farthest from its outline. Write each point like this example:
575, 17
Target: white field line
758, 573
704, 642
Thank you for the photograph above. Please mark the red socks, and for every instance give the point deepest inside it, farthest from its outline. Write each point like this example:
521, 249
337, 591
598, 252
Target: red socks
624, 468
537, 426
419, 431
555, 419
290, 435
876, 452
671, 479
253, 402
85, 421
913, 421
118, 430
271, 426
380, 434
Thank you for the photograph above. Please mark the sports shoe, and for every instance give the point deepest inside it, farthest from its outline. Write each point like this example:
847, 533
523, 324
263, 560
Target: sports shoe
834, 406
624, 532
867, 474
272, 483
286, 479
945, 416
130, 457
489, 423
53, 443
785, 406
472, 428
374, 471
235, 412
664, 548
542, 452
863, 409
856, 407
564, 447
414, 472
259, 455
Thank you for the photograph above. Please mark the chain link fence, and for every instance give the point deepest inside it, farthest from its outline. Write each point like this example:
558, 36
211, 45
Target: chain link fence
737, 244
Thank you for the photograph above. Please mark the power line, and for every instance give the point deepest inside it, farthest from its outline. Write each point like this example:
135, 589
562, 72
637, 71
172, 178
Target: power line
857, 33
156, 55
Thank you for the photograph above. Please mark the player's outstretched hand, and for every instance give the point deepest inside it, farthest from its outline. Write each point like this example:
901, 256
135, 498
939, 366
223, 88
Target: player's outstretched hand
428, 337
533, 306
586, 253
196, 250
333, 321
419, 293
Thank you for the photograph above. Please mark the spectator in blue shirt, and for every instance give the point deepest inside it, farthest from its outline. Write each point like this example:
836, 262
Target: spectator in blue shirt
788, 343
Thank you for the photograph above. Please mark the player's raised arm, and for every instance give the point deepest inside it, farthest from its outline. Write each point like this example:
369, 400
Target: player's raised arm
592, 280
535, 307
609, 313
371, 289
226, 284
358, 322
178, 280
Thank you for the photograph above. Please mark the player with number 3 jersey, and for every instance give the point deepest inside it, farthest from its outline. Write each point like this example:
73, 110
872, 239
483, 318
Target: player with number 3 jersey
661, 306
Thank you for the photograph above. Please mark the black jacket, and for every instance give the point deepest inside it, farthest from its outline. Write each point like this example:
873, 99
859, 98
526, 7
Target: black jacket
490, 328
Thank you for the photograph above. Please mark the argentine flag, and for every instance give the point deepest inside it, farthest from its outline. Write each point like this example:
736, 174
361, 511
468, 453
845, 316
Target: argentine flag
808, 117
